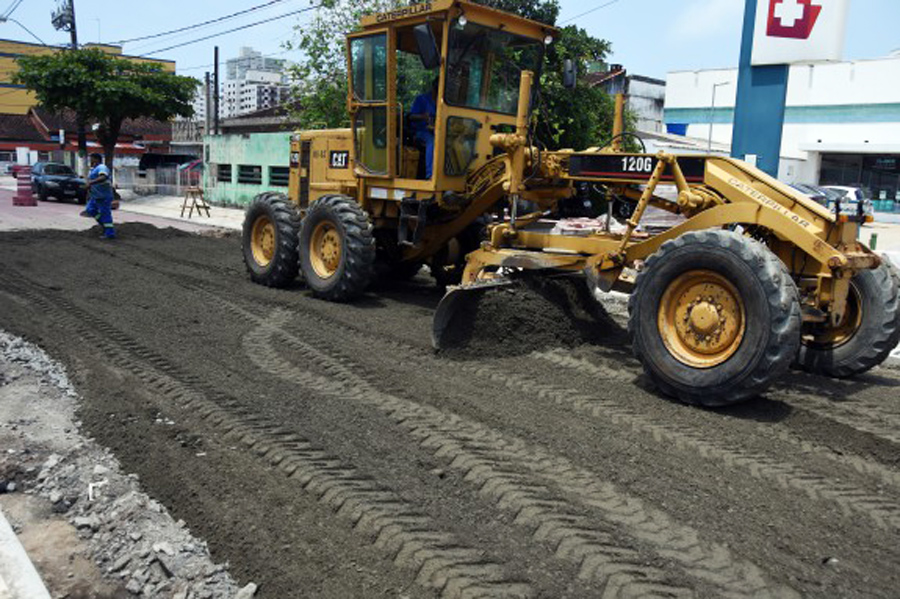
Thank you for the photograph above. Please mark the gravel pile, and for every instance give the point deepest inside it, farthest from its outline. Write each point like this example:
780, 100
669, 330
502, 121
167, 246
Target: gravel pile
531, 314
132, 538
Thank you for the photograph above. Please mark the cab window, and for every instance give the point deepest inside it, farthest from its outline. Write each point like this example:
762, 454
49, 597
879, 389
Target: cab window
484, 67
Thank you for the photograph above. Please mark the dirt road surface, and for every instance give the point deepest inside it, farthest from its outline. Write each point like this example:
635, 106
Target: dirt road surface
324, 450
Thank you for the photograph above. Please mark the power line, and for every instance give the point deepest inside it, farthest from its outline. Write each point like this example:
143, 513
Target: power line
587, 12
201, 39
195, 26
206, 66
12, 8
26, 29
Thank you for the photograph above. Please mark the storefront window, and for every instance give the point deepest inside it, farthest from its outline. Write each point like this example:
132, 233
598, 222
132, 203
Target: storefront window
877, 174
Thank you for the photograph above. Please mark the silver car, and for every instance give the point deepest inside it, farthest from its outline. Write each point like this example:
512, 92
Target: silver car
850, 200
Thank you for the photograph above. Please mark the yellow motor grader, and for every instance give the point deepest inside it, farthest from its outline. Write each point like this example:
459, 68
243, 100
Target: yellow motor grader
755, 277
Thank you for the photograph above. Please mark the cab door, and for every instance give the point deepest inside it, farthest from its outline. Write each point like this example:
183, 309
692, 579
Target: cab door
372, 96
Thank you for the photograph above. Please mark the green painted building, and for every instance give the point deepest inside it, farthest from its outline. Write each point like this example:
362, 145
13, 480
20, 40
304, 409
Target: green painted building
239, 166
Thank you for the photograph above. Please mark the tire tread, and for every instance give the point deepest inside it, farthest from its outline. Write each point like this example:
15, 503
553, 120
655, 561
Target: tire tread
784, 328
359, 250
285, 263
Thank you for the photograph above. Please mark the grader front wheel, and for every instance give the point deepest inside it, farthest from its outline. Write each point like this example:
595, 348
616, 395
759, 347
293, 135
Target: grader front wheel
714, 318
337, 249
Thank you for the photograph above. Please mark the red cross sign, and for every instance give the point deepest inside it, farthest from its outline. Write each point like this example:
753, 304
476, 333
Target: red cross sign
792, 18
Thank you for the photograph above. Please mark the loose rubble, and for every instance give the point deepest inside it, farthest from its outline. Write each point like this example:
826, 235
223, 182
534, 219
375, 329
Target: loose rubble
131, 537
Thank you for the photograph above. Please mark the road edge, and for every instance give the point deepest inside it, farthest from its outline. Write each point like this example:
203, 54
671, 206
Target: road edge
19, 579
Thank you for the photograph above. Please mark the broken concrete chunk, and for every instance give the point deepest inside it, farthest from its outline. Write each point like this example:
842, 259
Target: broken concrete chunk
120, 563
246, 592
163, 547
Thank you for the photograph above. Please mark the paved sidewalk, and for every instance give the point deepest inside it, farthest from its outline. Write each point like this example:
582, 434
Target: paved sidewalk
169, 207
160, 211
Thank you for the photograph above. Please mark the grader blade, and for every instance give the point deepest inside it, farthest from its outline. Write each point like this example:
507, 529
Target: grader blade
455, 309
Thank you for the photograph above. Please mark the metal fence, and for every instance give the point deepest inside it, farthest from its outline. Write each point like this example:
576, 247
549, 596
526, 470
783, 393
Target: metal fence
158, 181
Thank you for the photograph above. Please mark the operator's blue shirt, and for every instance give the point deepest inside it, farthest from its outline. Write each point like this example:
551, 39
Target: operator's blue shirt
101, 191
423, 104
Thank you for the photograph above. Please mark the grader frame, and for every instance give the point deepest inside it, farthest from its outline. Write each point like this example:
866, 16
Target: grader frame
756, 276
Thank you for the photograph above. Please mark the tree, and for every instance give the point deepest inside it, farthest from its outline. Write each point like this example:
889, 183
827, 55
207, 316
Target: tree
322, 70
105, 89
574, 118
566, 118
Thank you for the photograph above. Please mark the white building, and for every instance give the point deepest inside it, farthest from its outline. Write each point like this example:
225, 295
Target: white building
252, 89
644, 96
250, 60
842, 122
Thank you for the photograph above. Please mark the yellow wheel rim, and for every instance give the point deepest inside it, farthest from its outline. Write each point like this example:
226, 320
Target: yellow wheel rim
262, 240
701, 319
830, 337
325, 249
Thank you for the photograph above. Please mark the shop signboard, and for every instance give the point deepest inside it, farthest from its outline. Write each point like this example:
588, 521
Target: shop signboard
790, 31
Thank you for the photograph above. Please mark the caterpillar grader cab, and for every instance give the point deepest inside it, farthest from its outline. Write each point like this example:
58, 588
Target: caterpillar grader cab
755, 277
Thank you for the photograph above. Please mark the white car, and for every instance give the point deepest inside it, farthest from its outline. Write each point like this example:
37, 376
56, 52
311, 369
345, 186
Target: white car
850, 200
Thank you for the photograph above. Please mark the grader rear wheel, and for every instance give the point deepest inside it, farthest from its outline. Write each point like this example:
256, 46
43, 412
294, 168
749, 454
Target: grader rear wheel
714, 318
337, 249
865, 336
269, 240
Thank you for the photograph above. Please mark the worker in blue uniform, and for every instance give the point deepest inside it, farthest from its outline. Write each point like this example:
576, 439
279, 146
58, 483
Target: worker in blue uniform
421, 116
100, 194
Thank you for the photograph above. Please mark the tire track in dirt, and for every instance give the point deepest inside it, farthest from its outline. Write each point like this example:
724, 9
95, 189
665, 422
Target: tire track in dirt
574, 538
852, 499
867, 418
602, 371
863, 466
493, 461
440, 560
794, 478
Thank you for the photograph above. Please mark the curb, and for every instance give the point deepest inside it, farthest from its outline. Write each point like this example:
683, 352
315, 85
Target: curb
18, 577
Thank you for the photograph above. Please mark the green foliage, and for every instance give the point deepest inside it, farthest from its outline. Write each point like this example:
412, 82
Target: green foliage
567, 118
105, 89
576, 118
573, 118
322, 69
544, 11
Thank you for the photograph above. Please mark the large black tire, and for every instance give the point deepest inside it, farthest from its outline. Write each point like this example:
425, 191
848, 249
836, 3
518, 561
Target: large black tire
42, 194
269, 240
761, 332
871, 330
345, 270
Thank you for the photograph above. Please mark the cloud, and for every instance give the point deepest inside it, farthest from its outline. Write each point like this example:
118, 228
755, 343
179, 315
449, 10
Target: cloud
702, 19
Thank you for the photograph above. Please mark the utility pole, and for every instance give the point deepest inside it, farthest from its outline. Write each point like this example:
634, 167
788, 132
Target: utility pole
64, 19
216, 92
207, 130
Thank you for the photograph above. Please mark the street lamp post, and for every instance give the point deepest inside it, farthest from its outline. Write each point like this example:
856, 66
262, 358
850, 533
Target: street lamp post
712, 111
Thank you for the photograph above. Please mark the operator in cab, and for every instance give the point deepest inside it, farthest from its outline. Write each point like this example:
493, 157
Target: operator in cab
421, 117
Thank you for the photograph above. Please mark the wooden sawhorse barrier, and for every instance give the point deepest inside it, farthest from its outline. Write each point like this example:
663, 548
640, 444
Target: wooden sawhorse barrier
194, 197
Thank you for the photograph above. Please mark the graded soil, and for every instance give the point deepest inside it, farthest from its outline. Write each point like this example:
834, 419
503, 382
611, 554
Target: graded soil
326, 450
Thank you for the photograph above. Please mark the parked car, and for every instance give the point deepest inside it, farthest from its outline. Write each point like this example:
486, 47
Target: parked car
819, 194
51, 179
850, 199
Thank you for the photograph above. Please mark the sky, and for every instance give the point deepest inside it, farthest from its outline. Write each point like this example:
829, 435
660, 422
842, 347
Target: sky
649, 37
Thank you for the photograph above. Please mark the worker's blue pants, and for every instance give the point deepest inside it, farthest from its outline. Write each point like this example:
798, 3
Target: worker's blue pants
427, 138
101, 209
